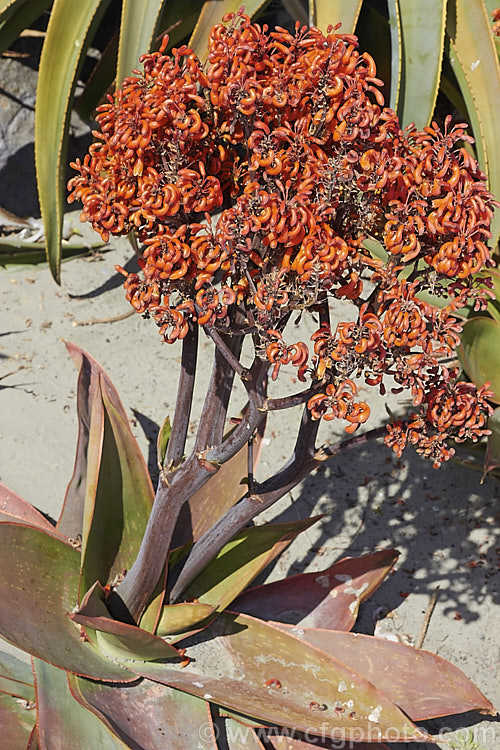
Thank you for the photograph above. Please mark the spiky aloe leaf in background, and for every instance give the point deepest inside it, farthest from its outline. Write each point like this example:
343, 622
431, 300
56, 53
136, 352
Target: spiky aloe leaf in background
71, 31
99, 681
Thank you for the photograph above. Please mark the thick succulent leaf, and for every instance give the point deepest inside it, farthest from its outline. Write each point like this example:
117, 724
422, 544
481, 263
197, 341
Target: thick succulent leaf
329, 599
237, 660
479, 352
396, 52
241, 560
87, 400
211, 13
325, 12
422, 29
492, 458
307, 743
62, 721
127, 641
13, 507
17, 720
109, 464
436, 688
68, 32
17, 16
16, 677
179, 618
15, 253
477, 57
162, 442
38, 587
148, 715
116, 516
138, 26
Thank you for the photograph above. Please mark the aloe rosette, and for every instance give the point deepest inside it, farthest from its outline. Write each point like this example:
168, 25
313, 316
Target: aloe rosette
276, 663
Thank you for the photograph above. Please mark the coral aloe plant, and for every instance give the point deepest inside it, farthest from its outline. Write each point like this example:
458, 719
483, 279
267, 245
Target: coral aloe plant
254, 185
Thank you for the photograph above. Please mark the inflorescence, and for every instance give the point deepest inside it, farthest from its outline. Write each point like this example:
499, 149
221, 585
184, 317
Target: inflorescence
252, 183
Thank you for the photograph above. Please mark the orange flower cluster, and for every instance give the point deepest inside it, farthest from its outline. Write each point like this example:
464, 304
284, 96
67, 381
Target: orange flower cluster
252, 183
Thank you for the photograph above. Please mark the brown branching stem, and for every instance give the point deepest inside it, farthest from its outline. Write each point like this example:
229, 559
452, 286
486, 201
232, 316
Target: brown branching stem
182, 413
178, 486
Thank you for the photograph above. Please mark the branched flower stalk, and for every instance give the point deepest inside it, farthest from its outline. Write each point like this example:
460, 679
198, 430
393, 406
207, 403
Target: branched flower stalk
252, 184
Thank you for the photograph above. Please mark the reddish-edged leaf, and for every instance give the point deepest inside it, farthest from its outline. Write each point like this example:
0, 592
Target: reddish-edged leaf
329, 599
256, 669
306, 742
38, 587
14, 508
16, 723
436, 688
16, 677
63, 722
120, 640
148, 714
118, 494
241, 560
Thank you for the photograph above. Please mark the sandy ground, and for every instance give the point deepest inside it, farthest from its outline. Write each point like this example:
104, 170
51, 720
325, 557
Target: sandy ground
445, 523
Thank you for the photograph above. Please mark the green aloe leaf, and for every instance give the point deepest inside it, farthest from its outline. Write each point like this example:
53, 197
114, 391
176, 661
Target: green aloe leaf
437, 688
492, 458
151, 715
396, 52
479, 352
16, 677
211, 13
297, 743
39, 577
241, 560
14, 253
325, 12
329, 599
62, 721
119, 639
68, 33
475, 62
423, 30
162, 442
16, 722
111, 471
138, 26
16, 16
179, 618
254, 668
14, 508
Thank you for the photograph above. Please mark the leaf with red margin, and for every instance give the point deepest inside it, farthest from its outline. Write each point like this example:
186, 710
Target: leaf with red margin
241, 560
62, 722
14, 508
179, 618
436, 688
329, 599
254, 668
16, 677
297, 743
38, 587
119, 639
116, 516
151, 715
16, 723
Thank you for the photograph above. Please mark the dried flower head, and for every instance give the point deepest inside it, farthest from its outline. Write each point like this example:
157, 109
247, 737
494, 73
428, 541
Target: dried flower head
252, 183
